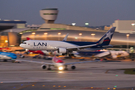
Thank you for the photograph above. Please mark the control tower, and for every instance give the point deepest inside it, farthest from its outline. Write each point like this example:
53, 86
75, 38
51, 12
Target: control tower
49, 14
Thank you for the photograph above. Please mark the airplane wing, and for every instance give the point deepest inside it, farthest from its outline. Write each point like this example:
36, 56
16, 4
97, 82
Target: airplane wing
79, 62
35, 62
80, 47
86, 46
53, 64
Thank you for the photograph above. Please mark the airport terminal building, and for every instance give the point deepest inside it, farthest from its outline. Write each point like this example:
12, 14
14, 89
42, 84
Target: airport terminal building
52, 31
9, 32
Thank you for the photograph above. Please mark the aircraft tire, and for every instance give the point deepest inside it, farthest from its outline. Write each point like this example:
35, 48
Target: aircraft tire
49, 69
22, 56
4, 60
65, 68
73, 67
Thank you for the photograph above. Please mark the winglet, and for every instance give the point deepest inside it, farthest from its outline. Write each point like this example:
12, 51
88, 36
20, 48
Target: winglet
65, 39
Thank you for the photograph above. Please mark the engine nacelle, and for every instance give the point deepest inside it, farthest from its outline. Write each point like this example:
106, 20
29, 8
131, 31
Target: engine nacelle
43, 66
114, 56
62, 50
73, 67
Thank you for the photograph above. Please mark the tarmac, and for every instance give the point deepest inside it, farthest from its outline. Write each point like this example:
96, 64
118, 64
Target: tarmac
87, 76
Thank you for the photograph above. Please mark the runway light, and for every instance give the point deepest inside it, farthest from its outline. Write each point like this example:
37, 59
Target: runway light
76, 38
1, 82
64, 86
53, 85
60, 72
80, 34
73, 24
33, 33
61, 68
114, 88
116, 75
86, 24
45, 33
108, 88
93, 34
43, 85
59, 33
91, 87
33, 85
59, 86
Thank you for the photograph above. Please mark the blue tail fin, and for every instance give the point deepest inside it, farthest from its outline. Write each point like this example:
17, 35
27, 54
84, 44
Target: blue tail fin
105, 40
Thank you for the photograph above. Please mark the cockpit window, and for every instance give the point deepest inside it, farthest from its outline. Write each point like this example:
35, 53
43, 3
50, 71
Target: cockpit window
24, 43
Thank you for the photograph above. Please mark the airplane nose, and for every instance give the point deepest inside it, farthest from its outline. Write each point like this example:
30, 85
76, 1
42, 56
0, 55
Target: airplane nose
20, 45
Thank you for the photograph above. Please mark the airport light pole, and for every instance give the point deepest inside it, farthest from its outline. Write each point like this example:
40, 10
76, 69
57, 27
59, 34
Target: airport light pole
127, 40
133, 24
73, 24
80, 34
34, 35
45, 35
59, 36
93, 35
6, 41
20, 33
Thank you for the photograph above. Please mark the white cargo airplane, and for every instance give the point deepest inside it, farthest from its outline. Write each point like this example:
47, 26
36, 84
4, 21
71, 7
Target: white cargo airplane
57, 63
67, 46
101, 53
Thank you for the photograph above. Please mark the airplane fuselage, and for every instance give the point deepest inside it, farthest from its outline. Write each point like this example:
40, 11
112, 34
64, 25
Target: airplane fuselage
57, 62
67, 46
45, 45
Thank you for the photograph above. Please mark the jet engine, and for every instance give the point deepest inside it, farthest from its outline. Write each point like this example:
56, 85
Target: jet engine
114, 56
73, 67
43, 66
62, 50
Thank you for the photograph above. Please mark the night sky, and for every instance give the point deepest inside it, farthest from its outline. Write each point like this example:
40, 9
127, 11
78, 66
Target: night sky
95, 12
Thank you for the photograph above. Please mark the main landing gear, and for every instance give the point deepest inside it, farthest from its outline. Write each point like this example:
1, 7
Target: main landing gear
49, 67
66, 68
